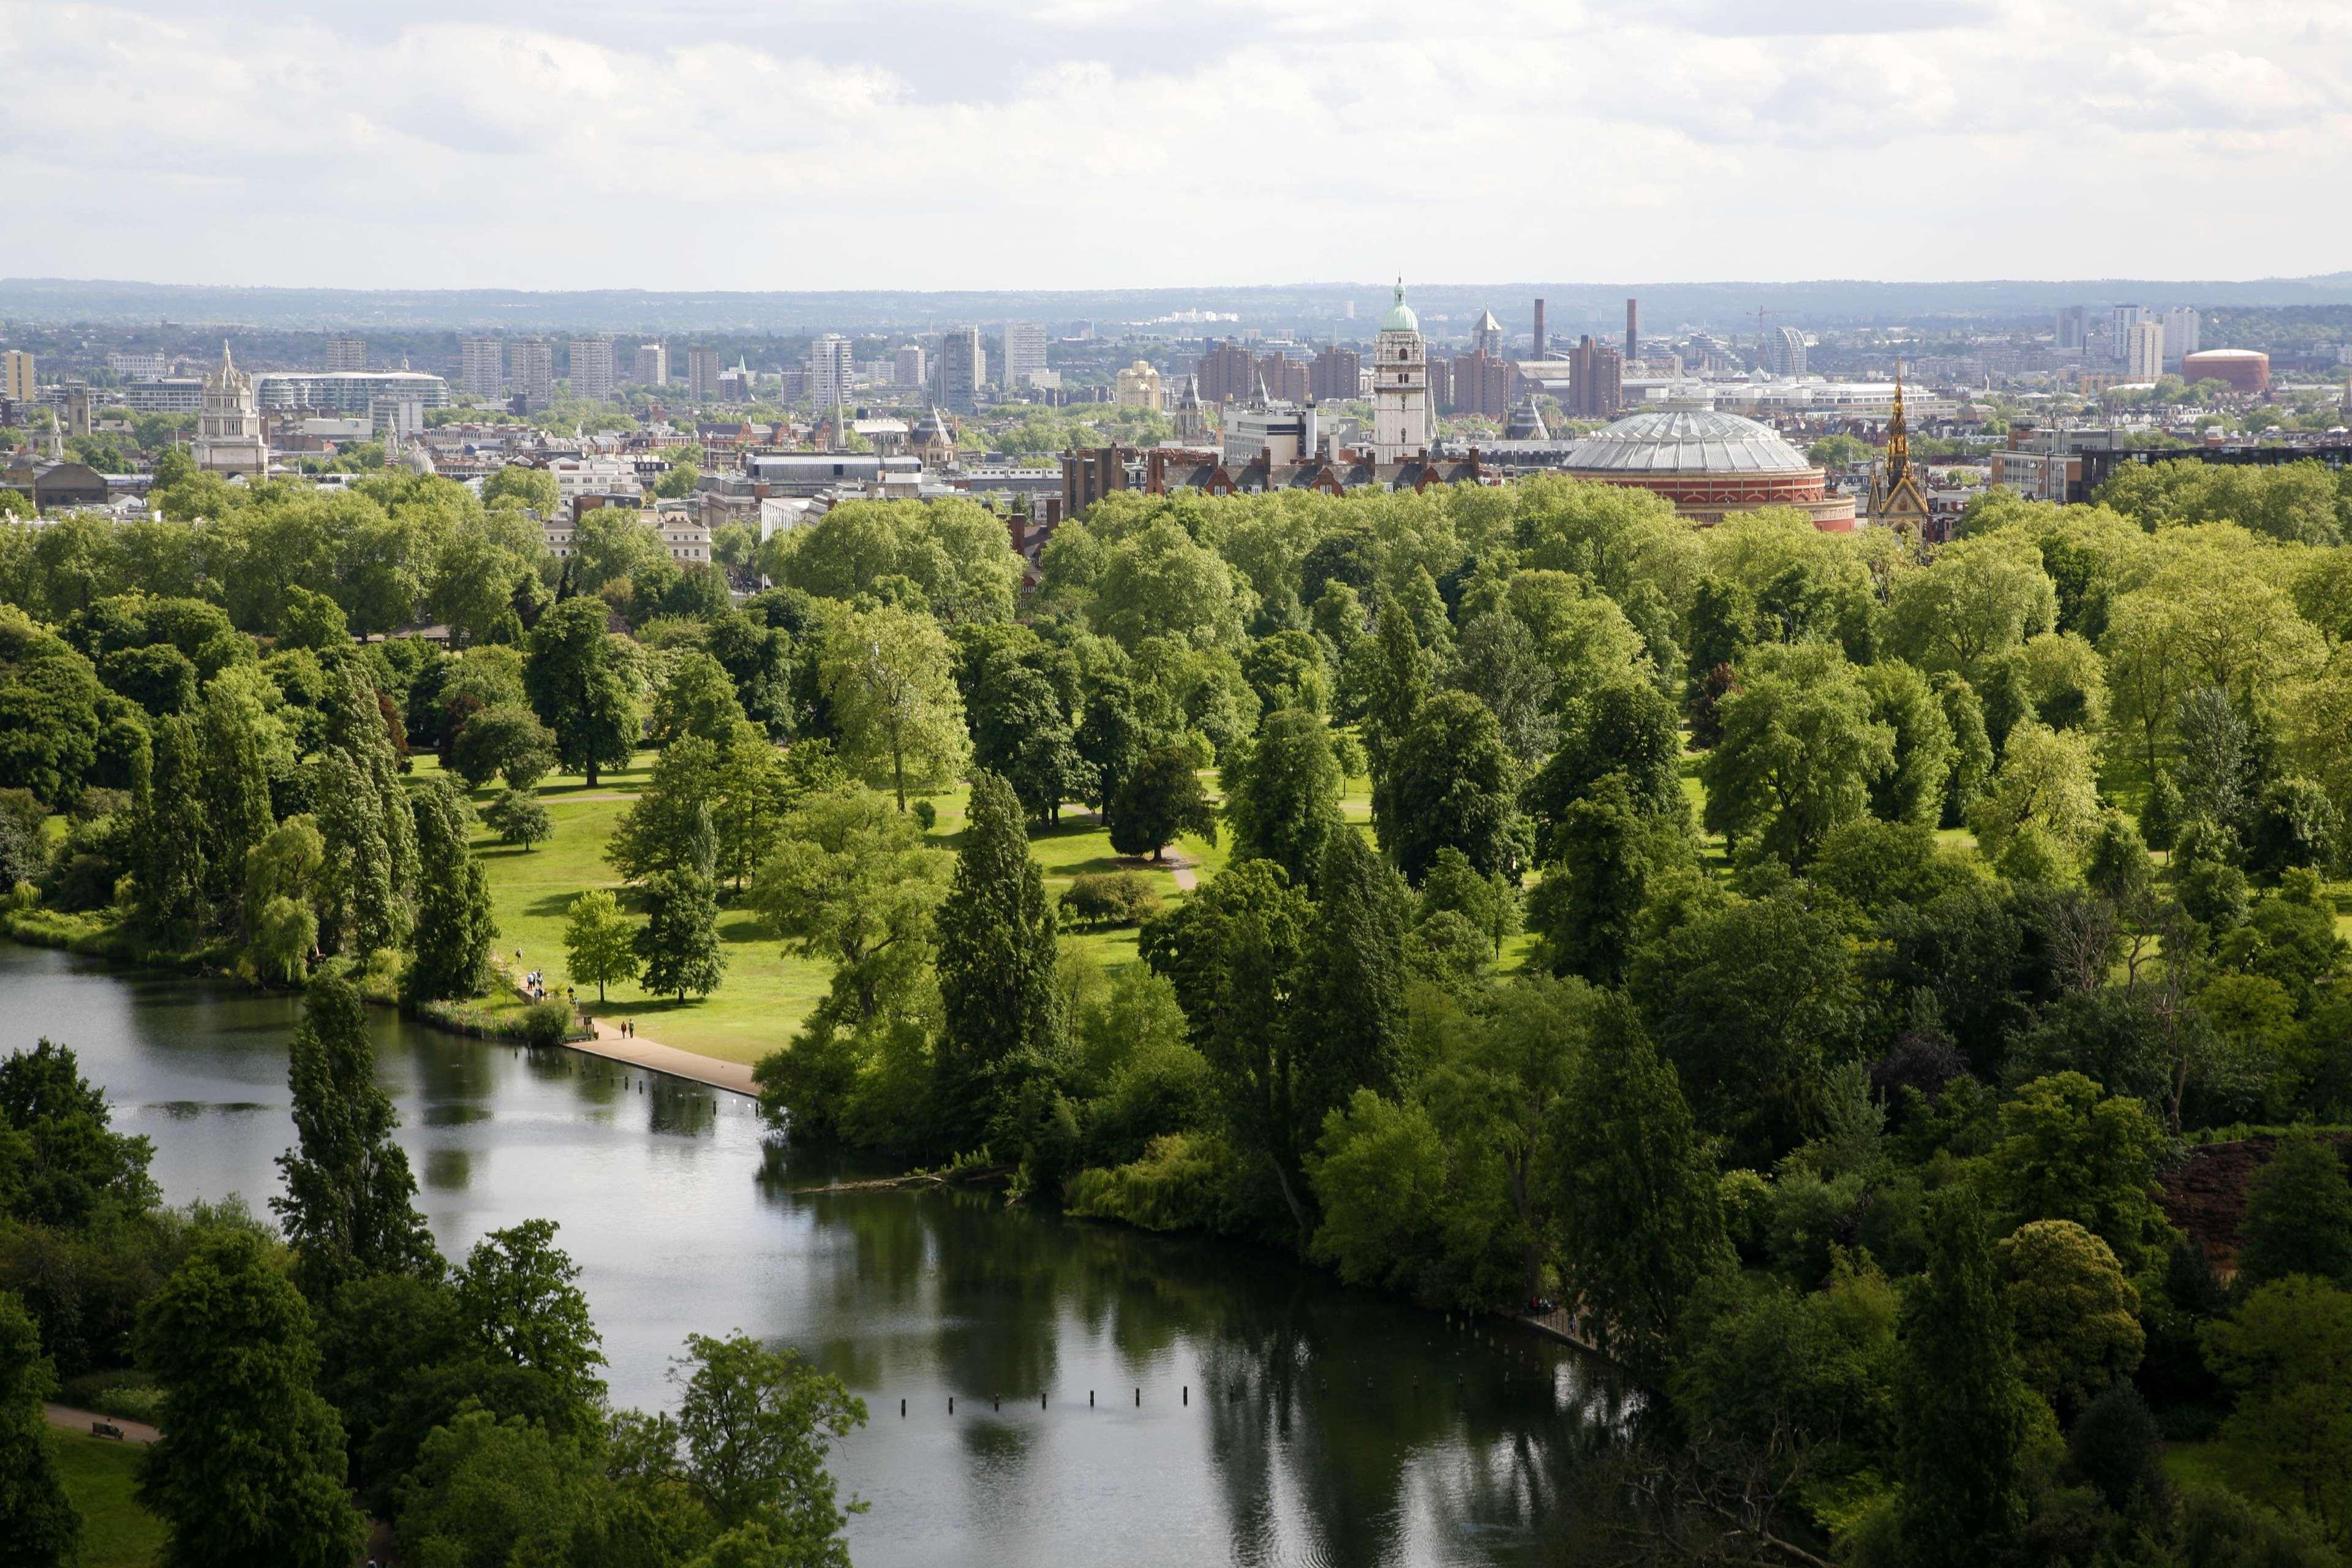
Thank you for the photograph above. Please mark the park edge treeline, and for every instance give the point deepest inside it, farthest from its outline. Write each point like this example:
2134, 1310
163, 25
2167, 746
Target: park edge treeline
332, 1368
1890, 915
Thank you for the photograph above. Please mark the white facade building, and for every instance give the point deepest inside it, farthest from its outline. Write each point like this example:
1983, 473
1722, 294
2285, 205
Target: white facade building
347, 391
1024, 351
832, 370
2144, 351
346, 353
2180, 327
532, 362
1401, 421
652, 366
229, 428
140, 368
592, 376
906, 367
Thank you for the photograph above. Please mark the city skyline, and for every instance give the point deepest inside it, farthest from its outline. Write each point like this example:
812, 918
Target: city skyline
1588, 142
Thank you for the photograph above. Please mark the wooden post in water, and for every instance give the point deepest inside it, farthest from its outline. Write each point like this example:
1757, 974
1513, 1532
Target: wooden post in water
951, 1403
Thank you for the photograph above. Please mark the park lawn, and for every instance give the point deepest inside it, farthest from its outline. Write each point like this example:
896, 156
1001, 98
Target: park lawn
98, 1475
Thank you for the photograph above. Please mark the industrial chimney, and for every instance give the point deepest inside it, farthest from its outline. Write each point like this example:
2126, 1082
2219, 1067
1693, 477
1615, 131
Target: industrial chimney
1540, 333
1632, 331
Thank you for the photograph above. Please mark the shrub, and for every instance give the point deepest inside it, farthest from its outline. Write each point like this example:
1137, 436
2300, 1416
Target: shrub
926, 816
1110, 899
546, 1024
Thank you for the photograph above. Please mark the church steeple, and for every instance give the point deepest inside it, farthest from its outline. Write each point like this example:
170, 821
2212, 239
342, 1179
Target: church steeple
1899, 429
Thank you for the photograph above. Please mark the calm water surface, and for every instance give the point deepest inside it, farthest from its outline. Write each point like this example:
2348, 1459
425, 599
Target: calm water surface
1324, 1427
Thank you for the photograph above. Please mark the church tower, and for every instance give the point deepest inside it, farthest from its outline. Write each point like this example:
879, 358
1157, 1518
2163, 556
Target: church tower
1895, 499
1401, 427
229, 429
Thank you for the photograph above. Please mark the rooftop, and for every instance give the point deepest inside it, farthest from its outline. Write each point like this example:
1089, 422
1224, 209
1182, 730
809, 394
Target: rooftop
1686, 441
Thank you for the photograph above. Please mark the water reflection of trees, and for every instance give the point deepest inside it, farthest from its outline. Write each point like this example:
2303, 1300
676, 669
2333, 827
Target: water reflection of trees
1337, 1421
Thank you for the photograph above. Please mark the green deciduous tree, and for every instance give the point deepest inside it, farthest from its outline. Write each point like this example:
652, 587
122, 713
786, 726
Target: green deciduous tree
518, 1294
2065, 1152
599, 948
756, 1424
171, 830
2299, 1215
851, 884
506, 739
1282, 794
237, 798
678, 947
2288, 1349
250, 1466
350, 1203
2076, 1316
890, 679
1800, 752
453, 925
1640, 1221
1448, 780
1159, 798
38, 1526
580, 690
517, 818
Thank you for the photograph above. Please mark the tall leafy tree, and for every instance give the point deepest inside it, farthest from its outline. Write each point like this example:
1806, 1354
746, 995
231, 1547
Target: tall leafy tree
454, 924
1640, 1221
171, 830
852, 885
2299, 1215
1159, 798
1965, 1407
1448, 780
756, 1424
360, 893
598, 949
1348, 1007
38, 1525
350, 1203
519, 1295
235, 797
1800, 752
888, 675
678, 947
73, 1171
578, 687
250, 1466
1002, 1021
655, 832
1588, 905
1282, 794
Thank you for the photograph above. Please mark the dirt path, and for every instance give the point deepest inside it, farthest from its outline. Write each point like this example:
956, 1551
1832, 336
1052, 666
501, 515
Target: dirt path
82, 1421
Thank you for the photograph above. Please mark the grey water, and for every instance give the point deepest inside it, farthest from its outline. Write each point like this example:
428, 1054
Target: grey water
1283, 1418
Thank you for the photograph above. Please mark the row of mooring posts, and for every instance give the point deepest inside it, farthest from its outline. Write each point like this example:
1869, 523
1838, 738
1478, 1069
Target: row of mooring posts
996, 1401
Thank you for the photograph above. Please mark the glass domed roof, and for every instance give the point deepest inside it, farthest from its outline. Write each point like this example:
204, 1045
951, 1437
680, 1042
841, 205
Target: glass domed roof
1686, 441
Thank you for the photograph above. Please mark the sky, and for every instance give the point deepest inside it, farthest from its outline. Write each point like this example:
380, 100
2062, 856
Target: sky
1101, 143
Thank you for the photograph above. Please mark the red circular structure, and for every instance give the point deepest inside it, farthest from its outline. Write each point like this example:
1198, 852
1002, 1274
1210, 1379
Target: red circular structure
2244, 370
1708, 464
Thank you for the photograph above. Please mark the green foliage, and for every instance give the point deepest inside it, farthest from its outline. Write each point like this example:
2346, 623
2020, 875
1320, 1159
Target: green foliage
451, 957
350, 1203
755, 1424
250, 1466
1800, 752
2076, 1316
599, 948
1448, 782
887, 674
1108, 899
517, 818
678, 949
579, 689
42, 1529
1159, 798
60, 1164
2288, 1351
1001, 1022
2299, 1216
2066, 1152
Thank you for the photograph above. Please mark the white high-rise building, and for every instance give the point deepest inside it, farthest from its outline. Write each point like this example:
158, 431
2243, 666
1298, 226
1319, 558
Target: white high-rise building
229, 429
2144, 353
591, 368
832, 371
1024, 351
1779, 350
962, 369
140, 369
653, 365
2121, 319
2180, 326
16, 381
1401, 423
346, 353
906, 367
482, 366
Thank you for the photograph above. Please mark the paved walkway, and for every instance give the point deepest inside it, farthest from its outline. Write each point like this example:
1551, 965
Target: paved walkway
73, 1420
612, 1044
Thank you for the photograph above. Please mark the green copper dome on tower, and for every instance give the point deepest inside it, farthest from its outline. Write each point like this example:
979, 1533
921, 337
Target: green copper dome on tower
1399, 318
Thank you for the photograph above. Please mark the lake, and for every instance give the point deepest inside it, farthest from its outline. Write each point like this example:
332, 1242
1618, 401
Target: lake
1283, 1419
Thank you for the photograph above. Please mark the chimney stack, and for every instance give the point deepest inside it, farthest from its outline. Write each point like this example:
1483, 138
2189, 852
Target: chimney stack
1540, 333
1632, 331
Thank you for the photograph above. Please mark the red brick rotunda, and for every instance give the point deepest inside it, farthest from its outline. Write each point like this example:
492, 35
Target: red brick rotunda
1709, 465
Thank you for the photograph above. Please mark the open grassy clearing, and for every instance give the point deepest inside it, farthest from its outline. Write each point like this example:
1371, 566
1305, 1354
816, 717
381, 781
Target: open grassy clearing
98, 1475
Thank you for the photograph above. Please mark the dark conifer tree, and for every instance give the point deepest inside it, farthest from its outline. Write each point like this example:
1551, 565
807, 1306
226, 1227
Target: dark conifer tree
454, 926
170, 829
1002, 1020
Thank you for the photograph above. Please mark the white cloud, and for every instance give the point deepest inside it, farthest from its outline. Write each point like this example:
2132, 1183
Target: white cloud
1097, 143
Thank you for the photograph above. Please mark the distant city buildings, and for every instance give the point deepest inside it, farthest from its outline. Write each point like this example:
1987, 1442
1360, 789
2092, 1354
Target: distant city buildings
702, 374
140, 369
1226, 372
531, 367
16, 382
2144, 351
1336, 375
1596, 386
906, 367
2073, 328
1780, 351
482, 367
2121, 319
592, 372
1025, 353
1633, 334
1480, 386
652, 367
346, 354
346, 390
2181, 324
1486, 337
1403, 423
962, 370
1137, 386
832, 370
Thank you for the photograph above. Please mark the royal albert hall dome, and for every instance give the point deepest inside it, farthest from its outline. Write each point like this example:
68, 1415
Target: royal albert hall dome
1708, 464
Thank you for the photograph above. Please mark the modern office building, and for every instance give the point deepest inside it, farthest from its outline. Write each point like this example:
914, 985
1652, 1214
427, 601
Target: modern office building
652, 366
16, 382
906, 367
593, 374
2073, 327
482, 366
346, 390
1402, 417
702, 374
2121, 319
2181, 324
1780, 351
1025, 353
962, 370
2144, 351
346, 353
530, 366
140, 368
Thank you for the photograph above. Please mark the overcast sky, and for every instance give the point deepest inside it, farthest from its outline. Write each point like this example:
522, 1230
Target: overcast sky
1089, 144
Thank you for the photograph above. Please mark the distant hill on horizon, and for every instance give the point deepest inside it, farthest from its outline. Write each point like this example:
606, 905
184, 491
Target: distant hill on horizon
1318, 308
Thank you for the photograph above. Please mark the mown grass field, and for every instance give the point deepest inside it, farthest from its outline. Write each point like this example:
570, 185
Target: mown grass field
98, 1475
768, 992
